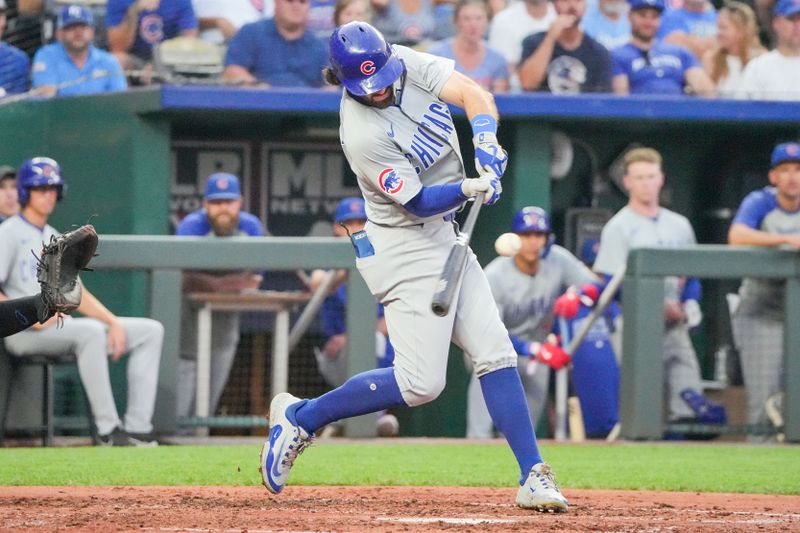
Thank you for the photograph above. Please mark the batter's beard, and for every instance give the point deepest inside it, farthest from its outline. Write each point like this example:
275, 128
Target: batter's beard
225, 229
377, 105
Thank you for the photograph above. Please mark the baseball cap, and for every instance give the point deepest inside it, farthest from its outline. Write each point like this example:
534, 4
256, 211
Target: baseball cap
75, 14
223, 186
784, 153
658, 5
3, 6
787, 8
350, 209
7, 171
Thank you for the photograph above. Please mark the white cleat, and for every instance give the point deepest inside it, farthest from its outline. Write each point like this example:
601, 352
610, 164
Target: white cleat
285, 441
540, 491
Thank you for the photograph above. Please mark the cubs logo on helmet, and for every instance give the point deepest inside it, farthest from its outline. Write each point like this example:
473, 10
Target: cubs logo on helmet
389, 181
368, 68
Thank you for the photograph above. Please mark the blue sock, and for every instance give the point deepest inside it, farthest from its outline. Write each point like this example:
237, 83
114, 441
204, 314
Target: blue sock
505, 399
368, 392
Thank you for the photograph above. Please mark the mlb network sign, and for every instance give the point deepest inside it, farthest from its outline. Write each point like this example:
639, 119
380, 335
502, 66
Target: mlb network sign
302, 183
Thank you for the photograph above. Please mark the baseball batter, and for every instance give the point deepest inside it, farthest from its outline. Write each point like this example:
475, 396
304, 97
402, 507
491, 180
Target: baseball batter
525, 288
644, 223
399, 138
767, 217
93, 339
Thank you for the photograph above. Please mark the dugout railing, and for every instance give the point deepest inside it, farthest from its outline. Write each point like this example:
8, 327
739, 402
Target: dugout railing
641, 394
165, 257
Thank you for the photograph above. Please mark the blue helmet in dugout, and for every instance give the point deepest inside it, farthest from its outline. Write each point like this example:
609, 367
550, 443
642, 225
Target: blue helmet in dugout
362, 59
534, 219
38, 172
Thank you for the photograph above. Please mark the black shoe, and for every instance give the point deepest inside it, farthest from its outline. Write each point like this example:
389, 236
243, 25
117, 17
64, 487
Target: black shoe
143, 440
118, 437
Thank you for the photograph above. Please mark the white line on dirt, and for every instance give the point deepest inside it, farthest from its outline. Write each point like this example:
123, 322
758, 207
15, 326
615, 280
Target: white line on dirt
446, 520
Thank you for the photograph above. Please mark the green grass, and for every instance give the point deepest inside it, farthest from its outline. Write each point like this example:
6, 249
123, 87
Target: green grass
672, 467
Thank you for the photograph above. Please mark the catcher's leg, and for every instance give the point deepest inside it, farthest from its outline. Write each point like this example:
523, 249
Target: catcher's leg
19, 314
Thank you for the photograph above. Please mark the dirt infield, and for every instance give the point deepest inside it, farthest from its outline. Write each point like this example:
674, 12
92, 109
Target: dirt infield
407, 509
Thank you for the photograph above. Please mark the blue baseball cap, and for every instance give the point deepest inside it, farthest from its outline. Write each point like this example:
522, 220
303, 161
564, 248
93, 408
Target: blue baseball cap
787, 8
350, 209
785, 153
223, 186
75, 14
658, 5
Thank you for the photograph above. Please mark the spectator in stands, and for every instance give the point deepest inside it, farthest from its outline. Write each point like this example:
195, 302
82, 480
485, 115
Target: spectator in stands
46, 13
776, 74
349, 11
14, 64
321, 18
607, 23
693, 26
406, 22
277, 52
73, 65
221, 216
9, 202
737, 43
564, 60
510, 27
472, 55
767, 217
646, 65
219, 20
135, 26
350, 217
100, 334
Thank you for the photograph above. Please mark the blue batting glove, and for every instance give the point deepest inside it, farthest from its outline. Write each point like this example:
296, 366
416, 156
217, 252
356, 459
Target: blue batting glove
490, 158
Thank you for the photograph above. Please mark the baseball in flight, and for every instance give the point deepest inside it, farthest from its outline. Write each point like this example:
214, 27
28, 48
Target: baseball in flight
508, 244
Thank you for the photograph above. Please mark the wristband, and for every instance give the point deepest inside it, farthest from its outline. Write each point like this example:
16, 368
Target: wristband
483, 123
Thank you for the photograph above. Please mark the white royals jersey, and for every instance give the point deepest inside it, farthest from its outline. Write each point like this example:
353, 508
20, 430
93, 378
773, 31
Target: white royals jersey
398, 150
18, 238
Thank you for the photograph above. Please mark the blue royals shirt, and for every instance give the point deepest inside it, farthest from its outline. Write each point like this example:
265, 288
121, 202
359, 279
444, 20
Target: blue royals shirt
660, 70
170, 19
53, 66
14, 67
269, 57
196, 224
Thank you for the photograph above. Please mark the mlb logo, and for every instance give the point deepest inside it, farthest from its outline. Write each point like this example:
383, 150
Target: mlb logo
389, 181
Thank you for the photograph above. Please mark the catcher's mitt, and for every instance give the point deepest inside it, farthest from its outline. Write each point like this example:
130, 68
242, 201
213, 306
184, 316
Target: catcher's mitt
57, 273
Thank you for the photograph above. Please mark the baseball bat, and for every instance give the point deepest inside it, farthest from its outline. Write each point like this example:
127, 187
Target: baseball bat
454, 266
574, 413
572, 405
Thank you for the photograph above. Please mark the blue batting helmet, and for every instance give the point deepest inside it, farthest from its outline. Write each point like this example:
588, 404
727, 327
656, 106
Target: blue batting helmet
534, 219
38, 172
530, 219
362, 59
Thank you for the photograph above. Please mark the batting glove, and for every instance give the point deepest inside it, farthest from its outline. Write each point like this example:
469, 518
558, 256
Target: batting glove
551, 354
693, 313
490, 157
489, 185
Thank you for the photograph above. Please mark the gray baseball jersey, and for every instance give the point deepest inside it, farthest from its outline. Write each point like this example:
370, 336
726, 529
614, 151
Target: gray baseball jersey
628, 230
18, 238
526, 302
397, 150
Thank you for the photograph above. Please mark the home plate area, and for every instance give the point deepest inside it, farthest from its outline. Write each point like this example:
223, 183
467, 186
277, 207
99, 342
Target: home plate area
407, 509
